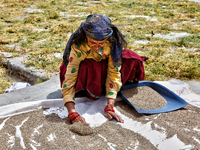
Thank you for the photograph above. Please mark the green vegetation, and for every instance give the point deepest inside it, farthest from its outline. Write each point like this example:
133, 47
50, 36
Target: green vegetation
42, 28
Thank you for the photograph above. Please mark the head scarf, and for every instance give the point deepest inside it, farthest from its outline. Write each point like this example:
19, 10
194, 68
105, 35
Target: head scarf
98, 27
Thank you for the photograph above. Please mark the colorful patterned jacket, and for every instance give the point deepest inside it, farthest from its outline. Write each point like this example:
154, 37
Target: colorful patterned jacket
82, 52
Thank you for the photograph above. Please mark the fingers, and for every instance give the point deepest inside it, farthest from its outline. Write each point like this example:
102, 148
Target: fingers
108, 115
112, 115
83, 121
80, 119
118, 118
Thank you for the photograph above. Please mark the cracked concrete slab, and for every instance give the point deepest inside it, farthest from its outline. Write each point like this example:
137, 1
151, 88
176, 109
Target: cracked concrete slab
29, 74
47, 90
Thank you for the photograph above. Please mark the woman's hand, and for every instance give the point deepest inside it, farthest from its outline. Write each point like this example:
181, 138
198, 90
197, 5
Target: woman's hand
80, 119
73, 115
111, 115
109, 111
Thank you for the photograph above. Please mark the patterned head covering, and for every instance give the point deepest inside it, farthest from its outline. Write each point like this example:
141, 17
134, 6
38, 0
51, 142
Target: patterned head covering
98, 27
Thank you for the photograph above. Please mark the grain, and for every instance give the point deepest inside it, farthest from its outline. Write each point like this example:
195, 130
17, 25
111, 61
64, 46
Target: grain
52, 132
81, 128
144, 98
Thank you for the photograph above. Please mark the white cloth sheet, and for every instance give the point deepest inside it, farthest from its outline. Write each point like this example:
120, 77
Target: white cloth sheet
180, 88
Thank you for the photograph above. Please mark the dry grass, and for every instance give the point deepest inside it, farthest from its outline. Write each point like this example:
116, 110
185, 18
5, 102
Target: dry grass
41, 28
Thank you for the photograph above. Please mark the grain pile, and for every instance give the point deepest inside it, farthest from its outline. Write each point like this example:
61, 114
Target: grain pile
81, 128
39, 131
144, 98
51, 132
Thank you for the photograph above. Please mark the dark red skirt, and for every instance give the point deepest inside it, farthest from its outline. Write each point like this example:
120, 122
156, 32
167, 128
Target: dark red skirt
92, 75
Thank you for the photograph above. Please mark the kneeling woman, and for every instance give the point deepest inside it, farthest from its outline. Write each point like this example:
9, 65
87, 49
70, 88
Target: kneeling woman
94, 62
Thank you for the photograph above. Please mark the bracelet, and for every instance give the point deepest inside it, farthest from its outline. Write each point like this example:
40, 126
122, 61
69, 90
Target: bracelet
109, 107
73, 115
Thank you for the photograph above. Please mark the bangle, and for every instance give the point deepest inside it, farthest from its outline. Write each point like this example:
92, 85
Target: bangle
109, 107
73, 115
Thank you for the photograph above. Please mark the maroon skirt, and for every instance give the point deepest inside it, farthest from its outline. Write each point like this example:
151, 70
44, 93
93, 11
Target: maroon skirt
92, 75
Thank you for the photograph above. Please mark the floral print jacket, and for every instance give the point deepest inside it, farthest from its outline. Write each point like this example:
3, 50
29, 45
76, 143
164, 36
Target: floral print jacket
81, 52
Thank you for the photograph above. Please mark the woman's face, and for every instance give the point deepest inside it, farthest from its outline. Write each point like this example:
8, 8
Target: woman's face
95, 45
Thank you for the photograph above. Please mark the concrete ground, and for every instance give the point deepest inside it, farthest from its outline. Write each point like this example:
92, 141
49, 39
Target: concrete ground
47, 90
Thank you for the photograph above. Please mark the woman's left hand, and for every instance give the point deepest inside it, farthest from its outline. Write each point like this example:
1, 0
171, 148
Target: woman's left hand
111, 115
110, 112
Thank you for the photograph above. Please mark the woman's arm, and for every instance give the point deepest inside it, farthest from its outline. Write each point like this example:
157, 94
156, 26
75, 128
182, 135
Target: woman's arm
111, 101
70, 107
73, 114
68, 91
113, 85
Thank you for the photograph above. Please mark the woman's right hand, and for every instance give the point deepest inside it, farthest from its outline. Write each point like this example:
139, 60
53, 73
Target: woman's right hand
73, 115
80, 119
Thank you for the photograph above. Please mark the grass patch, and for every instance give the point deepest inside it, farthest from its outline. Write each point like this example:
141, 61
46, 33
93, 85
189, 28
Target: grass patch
4, 81
41, 28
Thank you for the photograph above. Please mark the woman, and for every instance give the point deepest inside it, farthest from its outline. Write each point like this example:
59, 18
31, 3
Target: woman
94, 62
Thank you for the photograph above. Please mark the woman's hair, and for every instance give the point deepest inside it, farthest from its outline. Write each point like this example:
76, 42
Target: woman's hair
81, 38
